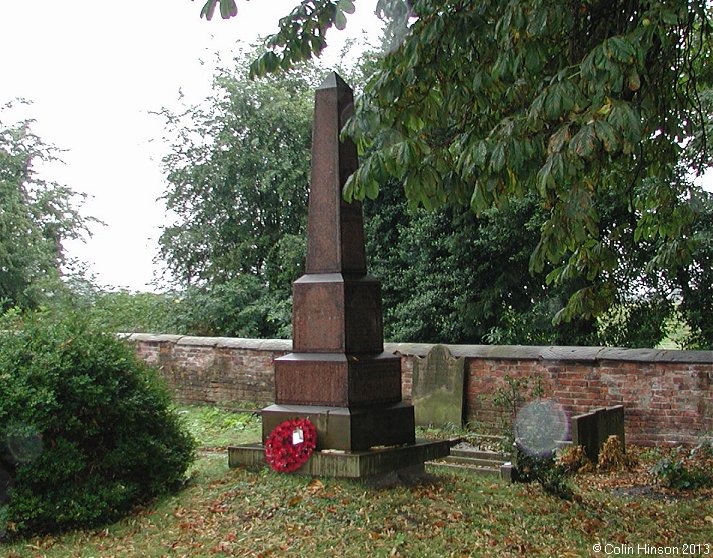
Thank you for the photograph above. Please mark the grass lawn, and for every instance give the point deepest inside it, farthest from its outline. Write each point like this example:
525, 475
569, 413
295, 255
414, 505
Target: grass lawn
224, 512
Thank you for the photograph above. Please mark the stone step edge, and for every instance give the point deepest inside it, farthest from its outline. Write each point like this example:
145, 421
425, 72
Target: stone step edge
475, 462
489, 471
479, 454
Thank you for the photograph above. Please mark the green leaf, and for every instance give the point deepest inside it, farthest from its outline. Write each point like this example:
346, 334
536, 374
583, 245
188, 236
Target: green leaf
228, 9
285, 63
480, 155
412, 186
372, 189
606, 135
209, 9
350, 187
583, 143
538, 22
621, 49
306, 48
558, 139
271, 61
532, 58
340, 20
497, 159
318, 44
346, 6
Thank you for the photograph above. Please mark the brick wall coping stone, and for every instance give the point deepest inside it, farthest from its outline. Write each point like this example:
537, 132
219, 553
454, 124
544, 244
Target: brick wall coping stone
563, 353
498, 352
219, 342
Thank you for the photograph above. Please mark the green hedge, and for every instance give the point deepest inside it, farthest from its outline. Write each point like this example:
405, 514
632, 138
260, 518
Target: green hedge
87, 431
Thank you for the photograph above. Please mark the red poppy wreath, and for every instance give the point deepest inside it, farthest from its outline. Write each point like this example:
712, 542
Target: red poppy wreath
290, 445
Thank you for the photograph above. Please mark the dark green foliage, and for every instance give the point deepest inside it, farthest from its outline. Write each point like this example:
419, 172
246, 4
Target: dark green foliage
118, 310
87, 429
238, 173
237, 180
477, 104
484, 102
674, 474
696, 282
448, 275
451, 277
544, 470
240, 307
686, 469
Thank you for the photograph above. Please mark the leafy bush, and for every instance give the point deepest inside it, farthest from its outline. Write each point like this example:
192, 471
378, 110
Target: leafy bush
118, 310
510, 397
241, 307
87, 431
686, 469
674, 474
544, 469
574, 460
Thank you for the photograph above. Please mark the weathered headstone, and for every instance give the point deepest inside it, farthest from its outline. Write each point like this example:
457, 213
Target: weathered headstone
591, 430
338, 375
437, 392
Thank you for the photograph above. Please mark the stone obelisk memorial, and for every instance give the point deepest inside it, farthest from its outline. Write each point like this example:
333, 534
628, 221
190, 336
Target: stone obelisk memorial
338, 375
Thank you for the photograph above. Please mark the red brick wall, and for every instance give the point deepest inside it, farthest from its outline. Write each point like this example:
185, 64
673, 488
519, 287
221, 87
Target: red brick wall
667, 395
222, 371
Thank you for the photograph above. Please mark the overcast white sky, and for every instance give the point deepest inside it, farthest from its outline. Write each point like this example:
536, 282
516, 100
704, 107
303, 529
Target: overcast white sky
93, 71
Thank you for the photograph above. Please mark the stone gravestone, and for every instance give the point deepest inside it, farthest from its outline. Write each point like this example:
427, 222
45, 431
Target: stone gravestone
338, 376
437, 392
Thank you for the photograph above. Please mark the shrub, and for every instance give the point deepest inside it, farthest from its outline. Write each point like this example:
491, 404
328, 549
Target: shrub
510, 397
545, 470
686, 469
87, 431
674, 474
574, 460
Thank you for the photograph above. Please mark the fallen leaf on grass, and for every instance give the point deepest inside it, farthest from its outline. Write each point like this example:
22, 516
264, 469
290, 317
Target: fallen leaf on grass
222, 546
218, 507
709, 518
292, 502
315, 486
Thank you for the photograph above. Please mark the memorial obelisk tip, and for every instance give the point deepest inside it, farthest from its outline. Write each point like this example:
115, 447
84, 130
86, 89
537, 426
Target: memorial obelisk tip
333, 81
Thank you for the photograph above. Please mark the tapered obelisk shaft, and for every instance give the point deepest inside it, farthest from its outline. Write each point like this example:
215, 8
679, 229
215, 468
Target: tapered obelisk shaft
336, 306
335, 231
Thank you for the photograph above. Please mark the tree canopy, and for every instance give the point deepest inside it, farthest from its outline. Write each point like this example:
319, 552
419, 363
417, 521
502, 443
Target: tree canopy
238, 174
238, 189
478, 104
36, 217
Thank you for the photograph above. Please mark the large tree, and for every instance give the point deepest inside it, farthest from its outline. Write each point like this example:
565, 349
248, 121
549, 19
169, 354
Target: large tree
237, 176
36, 217
451, 277
481, 103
